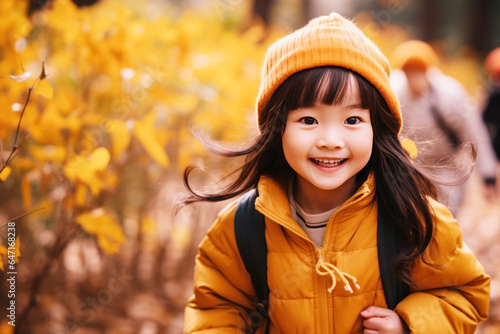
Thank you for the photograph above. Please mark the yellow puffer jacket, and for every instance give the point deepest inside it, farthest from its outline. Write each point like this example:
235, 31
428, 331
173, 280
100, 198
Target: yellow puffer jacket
453, 295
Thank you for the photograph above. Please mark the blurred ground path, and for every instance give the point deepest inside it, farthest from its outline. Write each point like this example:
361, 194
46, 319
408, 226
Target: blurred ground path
480, 224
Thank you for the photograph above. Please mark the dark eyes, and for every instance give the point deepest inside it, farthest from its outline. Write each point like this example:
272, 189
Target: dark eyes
352, 120
308, 120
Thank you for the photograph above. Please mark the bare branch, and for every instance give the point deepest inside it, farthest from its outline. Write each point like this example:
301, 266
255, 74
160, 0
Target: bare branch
21, 117
22, 215
15, 146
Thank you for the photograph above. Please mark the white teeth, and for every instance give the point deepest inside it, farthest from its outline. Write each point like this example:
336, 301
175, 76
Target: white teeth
328, 163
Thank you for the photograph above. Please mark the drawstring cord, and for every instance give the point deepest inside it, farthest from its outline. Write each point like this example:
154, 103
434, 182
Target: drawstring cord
330, 269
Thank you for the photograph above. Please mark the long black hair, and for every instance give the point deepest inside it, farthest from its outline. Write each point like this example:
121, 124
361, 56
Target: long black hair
402, 191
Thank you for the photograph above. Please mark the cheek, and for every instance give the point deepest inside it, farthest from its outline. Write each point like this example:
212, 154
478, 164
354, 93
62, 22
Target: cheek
293, 148
363, 144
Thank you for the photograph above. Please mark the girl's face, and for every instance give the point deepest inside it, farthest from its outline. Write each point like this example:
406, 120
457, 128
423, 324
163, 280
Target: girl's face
327, 145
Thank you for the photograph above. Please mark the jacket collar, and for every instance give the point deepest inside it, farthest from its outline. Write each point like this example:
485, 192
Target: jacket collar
273, 201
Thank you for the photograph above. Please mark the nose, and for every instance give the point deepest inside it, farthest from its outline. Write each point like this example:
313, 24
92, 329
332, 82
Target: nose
330, 140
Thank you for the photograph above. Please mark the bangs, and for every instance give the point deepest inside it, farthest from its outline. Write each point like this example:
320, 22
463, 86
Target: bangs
319, 85
329, 85
326, 85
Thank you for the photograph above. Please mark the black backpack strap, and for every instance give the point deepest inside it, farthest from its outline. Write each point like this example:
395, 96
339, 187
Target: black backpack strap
389, 244
249, 230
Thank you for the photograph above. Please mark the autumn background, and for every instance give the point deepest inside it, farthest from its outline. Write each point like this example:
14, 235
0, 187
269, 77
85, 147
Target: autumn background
96, 102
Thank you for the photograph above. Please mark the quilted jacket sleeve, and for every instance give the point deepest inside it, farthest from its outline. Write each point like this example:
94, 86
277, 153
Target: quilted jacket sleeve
453, 295
222, 287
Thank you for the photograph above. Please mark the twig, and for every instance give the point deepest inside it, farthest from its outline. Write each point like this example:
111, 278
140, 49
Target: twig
22, 113
15, 147
22, 215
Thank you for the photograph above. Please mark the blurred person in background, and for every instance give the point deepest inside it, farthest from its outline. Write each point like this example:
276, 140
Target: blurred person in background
438, 119
491, 112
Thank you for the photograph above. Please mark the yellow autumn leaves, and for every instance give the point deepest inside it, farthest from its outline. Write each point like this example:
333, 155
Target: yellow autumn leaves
145, 131
102, 224
88, 169
108, 118
4, 174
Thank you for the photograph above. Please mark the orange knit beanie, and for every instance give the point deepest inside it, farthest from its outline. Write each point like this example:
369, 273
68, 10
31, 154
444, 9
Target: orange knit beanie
326, 41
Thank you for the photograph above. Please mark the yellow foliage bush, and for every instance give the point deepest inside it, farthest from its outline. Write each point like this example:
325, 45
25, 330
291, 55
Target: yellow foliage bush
124, 81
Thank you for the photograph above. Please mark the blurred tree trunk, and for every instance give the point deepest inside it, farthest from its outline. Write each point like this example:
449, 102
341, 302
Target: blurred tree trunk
305, 9
35, 5
84, 3
478, 24
262, 9
428, 17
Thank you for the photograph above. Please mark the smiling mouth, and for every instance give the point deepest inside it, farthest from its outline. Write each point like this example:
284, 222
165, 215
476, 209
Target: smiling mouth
329, 162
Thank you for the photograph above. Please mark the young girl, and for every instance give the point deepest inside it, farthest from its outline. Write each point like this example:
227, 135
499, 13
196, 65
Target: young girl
326, 160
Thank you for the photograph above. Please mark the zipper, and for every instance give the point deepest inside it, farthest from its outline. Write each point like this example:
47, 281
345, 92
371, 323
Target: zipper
320, 280
324, 316
326, 238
